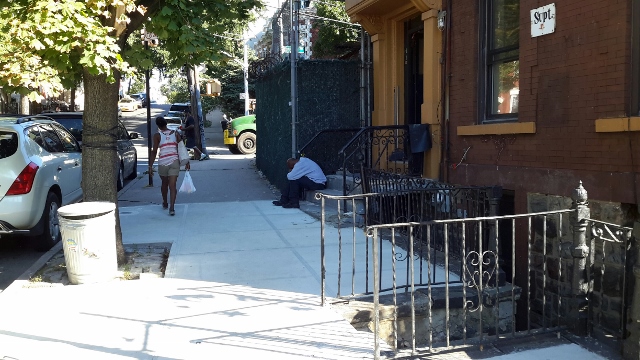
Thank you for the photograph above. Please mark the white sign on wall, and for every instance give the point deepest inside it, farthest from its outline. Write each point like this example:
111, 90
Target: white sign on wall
543, 20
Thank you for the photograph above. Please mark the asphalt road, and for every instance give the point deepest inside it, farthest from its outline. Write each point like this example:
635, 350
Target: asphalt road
16, 256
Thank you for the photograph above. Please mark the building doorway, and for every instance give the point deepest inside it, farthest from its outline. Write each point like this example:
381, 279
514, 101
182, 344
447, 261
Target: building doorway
413, 82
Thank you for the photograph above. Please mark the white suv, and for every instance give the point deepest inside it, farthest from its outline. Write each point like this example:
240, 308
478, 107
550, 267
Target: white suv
41, 166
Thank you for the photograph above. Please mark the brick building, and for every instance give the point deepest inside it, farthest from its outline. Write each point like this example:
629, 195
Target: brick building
531, 96
531, 114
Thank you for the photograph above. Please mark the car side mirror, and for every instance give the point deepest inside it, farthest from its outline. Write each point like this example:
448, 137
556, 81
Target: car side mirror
133, 135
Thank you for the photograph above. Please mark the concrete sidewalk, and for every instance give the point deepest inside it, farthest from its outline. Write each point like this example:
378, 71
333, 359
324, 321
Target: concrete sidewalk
237, 285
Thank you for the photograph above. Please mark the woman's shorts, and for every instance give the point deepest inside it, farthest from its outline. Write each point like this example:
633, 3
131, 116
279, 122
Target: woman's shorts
169, 170
191, 143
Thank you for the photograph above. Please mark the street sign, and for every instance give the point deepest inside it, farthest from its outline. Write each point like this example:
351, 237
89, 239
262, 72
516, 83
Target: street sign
150, 36
243, 96
543, 20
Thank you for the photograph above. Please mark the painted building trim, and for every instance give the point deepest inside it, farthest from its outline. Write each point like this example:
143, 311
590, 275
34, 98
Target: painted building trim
618, 124
498, 129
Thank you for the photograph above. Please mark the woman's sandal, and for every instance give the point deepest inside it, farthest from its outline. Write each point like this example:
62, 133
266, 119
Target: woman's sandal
165, 206
172, 212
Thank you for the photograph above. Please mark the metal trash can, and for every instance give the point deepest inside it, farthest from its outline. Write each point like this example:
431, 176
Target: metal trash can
88, 232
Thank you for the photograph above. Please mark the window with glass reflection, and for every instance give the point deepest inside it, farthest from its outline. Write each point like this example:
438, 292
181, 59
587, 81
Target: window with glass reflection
501, 60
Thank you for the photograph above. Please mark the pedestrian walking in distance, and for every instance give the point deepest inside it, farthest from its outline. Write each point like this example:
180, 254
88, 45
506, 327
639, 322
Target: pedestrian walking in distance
190, 133
166, 141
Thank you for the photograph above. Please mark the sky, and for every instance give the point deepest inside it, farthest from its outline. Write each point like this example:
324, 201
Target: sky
265, 15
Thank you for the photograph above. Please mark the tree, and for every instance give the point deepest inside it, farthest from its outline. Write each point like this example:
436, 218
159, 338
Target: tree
231, 78
334, 39
47, 44
176, 89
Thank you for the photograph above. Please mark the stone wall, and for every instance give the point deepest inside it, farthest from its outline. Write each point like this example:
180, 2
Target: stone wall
360, 314
606, 274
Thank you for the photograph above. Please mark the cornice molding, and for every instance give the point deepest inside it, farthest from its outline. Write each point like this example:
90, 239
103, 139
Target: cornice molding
373, 24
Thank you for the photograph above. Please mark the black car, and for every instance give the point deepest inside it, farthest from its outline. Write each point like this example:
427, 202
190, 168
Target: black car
127, 154
182, 107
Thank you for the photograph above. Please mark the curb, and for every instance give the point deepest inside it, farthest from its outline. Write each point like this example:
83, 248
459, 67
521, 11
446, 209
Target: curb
24, 278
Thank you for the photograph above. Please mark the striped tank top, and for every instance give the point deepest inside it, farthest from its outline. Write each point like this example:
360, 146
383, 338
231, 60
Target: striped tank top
168, 148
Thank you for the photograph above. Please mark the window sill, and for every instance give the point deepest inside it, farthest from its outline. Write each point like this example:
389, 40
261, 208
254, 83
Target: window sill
498, 129
618, 124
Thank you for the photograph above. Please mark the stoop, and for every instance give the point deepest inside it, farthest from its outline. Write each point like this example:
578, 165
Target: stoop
334, 188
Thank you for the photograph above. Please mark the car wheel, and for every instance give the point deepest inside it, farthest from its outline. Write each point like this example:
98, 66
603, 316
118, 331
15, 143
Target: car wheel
120, 180
234, 149
134, 172
51, 233
247, 143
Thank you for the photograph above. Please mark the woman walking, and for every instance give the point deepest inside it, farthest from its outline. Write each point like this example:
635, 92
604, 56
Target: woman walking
168, 164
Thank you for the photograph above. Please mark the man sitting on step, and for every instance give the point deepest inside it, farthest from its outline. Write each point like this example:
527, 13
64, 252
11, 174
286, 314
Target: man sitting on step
303, 173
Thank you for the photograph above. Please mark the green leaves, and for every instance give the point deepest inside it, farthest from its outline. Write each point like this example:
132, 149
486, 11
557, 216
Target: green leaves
332, 36
55, 39
45, 44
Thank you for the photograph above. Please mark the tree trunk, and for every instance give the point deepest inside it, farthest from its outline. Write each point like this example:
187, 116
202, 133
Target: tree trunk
25, 105
99, 157
72, 100
4, 102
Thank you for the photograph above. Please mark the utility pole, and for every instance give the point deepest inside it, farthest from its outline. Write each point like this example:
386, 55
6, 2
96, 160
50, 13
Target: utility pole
294, 79
146, 37
245, 69
200, 117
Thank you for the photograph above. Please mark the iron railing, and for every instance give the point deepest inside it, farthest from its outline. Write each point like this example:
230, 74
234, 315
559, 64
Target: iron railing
606, 273
448, 261
324, 146
380, 147
482, 298
386, 148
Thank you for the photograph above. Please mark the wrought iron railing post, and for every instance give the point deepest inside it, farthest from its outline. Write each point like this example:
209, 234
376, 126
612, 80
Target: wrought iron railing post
580, 251
631, 346
495, 195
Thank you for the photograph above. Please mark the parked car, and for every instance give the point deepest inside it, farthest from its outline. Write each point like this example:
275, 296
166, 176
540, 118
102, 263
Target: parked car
41, 164
127, 155
174, 117
240, 135
138, 98
180, 107
128, 104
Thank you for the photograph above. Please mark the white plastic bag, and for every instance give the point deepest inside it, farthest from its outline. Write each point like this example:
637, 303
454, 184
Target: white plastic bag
187, 184
183, 153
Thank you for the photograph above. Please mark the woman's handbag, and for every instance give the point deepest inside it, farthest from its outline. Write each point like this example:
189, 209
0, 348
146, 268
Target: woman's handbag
183, 153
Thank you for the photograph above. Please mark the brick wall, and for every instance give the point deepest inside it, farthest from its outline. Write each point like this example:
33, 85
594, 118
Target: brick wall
568, 79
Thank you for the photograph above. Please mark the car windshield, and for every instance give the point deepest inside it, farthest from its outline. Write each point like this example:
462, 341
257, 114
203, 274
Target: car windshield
128, 100
8, 144
175, 113
179, 107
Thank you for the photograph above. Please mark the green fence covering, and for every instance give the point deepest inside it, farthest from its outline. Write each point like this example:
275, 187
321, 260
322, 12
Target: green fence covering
328, 98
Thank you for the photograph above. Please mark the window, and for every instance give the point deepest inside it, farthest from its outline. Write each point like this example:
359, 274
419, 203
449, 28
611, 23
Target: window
122, 132
8, 144
500, 65
68, 141
50, 139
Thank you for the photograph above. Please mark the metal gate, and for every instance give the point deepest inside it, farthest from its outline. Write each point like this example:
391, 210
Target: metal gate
439, 283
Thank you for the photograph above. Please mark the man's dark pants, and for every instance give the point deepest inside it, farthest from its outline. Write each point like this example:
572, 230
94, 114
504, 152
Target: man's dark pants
291, 191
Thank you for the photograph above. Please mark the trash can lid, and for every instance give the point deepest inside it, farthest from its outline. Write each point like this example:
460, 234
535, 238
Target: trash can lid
84, 209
